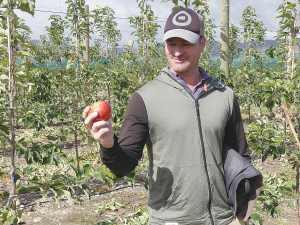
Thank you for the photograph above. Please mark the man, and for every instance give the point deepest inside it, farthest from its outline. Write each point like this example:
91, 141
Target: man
183, 115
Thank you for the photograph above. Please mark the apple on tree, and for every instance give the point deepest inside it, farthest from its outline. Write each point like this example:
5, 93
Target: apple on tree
103, 109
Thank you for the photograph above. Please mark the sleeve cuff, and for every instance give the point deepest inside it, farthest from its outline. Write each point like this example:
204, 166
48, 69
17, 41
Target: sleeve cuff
110, 152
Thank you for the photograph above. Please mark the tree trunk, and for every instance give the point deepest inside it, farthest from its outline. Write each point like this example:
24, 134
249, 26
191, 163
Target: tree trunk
76, 96
11, 103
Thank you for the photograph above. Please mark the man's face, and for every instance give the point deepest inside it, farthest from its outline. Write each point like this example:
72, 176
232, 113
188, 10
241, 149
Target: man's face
184, 56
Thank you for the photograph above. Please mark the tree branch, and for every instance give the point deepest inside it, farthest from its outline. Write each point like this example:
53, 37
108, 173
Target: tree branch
6, 137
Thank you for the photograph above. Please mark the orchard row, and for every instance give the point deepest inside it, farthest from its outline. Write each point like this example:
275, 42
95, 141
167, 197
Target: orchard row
41, 105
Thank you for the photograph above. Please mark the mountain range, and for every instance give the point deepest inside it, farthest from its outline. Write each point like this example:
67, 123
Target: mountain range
215, 51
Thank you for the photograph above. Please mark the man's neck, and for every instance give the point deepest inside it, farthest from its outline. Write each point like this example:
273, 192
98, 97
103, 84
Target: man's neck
191, 79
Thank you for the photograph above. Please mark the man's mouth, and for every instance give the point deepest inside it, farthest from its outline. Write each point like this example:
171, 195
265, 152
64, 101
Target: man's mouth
179, 60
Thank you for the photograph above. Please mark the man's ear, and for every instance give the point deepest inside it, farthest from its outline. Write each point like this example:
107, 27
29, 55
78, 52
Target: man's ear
203, 43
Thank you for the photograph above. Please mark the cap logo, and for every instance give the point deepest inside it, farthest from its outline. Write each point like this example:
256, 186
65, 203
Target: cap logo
182, 20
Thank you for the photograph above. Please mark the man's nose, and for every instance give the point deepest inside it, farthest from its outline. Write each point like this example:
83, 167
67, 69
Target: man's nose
178, 51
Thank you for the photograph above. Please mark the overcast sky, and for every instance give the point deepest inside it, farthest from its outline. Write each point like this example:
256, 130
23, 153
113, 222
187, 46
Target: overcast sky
266, 9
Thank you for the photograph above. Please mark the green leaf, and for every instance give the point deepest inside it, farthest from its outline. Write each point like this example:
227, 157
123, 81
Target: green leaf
257, 217
250, 223
197, 3
3, 77
258, 207
187, 3
86, 169
4, 215
52, 138
294, 41
4, 194
57, 186
175, 2
110, 174
20, 212
27, 6
99, 176
63, 138
278, 211
255, 127
34, 179
11, 218
291, 205
57, 194
61, 116
2, 31
286, 15
131, 178
86, 190
22, 190
175, 8
74, 169
44, 193
69, 196
4, 128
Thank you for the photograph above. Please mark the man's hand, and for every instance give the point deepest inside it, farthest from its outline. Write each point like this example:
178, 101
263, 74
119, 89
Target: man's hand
101, 131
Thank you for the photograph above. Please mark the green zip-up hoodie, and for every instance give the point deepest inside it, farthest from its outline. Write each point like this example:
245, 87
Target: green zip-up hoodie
184, 140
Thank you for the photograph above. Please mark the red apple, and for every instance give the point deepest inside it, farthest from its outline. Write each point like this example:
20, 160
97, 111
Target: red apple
103, 109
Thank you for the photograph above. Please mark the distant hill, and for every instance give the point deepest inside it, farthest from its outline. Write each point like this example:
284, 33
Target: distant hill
215, 51
38, 42
119, 50
266, 46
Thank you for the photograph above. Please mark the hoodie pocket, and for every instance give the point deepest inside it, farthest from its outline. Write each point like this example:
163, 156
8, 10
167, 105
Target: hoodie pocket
190, 194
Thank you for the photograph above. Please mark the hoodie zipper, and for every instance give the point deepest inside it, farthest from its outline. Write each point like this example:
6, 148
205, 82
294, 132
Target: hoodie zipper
204, 160
206, 90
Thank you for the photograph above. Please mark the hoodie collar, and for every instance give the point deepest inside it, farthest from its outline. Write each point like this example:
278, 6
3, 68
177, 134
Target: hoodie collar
211, 82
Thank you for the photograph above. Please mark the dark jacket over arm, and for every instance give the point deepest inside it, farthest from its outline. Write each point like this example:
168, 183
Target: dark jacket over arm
236, 170
243, 181
123, 157
234, 133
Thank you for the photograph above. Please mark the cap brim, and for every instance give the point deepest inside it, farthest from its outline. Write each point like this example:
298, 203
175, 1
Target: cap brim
181, 33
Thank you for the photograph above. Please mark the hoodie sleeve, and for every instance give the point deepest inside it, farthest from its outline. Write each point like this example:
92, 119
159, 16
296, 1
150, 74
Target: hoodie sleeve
127, 150
235, 134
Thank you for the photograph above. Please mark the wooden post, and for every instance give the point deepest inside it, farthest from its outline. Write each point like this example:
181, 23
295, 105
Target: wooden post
297, 192
224, 55
287, 114
106, 59
69, 64
130, 44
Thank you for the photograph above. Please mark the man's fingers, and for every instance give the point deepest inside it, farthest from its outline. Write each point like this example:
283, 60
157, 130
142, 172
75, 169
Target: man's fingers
85, 112
99, 125
89, 120
101, 132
